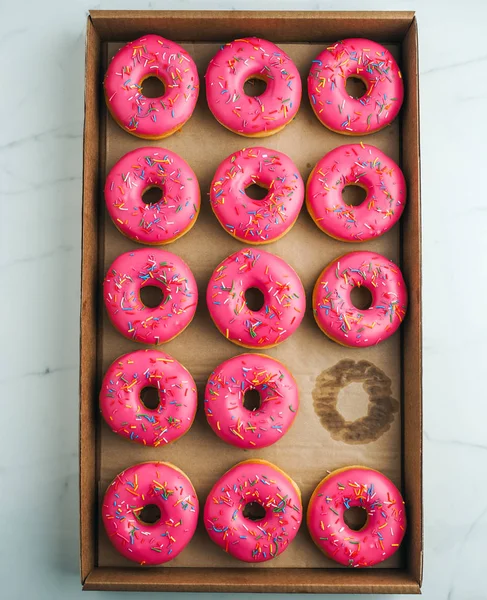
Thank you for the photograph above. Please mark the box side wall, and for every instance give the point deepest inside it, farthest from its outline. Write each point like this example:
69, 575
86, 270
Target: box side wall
314, 26
314, 581
411, 264
88, 304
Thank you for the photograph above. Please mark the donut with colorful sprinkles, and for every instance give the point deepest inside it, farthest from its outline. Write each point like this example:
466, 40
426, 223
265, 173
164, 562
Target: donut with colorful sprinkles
334, 311
150, 512
385, 522
254, 511
357, 165
129, 274
255, 426
164, 221
147, 57
257, 221
283, 295
253, 116
121, 401
360, 59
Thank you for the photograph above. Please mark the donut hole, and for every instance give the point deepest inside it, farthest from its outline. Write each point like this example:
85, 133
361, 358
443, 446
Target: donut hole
149, 396
254, 511
152, 195
149, 514
252, 400
255, 191
356, 87
151, 296
361, 297
152, 87
254, 299
354, 195
254, 86
355, 518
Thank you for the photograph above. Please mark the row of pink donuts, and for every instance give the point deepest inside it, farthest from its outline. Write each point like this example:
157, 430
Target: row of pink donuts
252, 58
256, 221
158, 536
283, 298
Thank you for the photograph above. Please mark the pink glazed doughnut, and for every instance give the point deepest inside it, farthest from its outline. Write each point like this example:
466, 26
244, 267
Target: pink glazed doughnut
224, 401
383, 531
253, 482
151, 56
334, 312
363, 166
132, 271
155, 484
162, 222
284, 299
360, 59
257, 221
126, 414
252, 116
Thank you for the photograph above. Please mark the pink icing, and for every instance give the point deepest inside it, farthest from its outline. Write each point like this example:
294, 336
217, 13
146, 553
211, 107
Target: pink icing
284, 299
155, 268
245, 539
161, 222
224, 397
257, 221
333, 308
156, 483
384, 530
367, 167
151, 56
366, 60
244, 59
126, 414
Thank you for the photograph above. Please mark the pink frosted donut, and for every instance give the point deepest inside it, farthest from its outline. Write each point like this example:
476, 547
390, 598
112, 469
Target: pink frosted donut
150, 268
334, 312
253, 116
224, 400
383, 531
154, 484
284, 299
126, 414
257, 221
253, 482
151, 56
360, 59
364, 166
161, 222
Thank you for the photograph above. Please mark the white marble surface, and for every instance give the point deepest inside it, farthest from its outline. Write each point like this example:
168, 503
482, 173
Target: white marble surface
42, 53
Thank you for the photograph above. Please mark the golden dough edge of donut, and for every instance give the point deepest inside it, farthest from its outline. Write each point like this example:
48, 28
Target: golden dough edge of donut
252, 243
349, 133
141, 443
260, 134
144, 137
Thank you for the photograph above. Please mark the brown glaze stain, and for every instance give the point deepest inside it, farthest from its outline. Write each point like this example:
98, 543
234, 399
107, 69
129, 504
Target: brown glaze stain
381, 409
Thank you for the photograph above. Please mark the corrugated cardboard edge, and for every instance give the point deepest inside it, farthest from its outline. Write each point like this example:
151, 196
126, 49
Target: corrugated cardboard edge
411, 265
87, 441
110, 25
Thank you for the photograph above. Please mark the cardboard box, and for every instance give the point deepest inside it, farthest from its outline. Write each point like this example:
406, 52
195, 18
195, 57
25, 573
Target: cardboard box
308, 450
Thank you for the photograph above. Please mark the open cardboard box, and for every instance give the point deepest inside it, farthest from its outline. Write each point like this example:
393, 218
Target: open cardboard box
308, 450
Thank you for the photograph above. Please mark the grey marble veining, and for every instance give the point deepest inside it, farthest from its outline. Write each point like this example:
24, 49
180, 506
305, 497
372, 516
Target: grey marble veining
42, 50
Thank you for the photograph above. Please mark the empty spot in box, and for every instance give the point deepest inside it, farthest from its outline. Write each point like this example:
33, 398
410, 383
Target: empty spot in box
381, 405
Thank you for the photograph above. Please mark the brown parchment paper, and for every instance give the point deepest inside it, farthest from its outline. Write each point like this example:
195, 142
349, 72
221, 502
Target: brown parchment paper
308, 450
